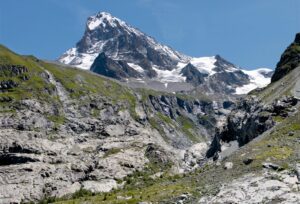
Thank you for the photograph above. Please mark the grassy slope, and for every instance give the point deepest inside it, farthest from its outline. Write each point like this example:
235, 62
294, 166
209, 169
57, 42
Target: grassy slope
34, 87
81, 84
78, 83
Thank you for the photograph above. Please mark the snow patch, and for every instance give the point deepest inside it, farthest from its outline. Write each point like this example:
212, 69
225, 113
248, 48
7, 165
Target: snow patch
257, 80
205, 64
136, 67
94, 23
169, 75
69, 56
102, 19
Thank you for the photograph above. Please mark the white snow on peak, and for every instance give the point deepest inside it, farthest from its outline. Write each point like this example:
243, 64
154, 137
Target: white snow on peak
204, 64
104, 18
169, 75
101, 19
257, 80
94, 23
80, 60
104, 21
68, 56
207, 65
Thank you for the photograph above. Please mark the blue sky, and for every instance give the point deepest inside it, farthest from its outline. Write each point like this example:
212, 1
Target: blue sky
251, 34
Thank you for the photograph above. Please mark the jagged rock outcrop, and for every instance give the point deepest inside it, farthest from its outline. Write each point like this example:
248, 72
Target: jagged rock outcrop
111, 68
12, 74
199, 115
290, 59
249, 119
192, 75
8, 70
119, 41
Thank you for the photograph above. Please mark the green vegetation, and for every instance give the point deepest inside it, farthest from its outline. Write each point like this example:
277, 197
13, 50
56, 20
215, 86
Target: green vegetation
166, 119
57, 120
278, 119
275, 153
111, 152
30, 84
82, 193
188, 127
81, 83
154, 122
295, 126
77, 82
289, 61
182, 123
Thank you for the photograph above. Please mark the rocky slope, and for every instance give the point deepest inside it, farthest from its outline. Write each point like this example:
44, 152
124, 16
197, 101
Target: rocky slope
268, 119
254, 156
63, 129
115, 49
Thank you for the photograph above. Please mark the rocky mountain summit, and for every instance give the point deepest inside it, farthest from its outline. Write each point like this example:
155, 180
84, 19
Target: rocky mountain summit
119, 41
113, 48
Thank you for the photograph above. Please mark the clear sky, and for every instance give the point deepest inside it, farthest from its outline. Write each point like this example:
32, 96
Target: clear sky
250, 33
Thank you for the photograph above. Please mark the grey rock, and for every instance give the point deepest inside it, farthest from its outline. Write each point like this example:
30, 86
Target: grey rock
228, 165
252, 188
247, 161
100, 186
249, 119
272, 166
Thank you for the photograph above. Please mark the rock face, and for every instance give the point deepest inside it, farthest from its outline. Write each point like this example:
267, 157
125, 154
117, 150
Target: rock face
119, 41
290, 59
193, 75
15, 73
114, 69
249, 119
43, 158
113, 48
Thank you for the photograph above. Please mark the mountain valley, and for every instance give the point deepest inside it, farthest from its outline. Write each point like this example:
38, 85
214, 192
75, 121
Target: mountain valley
121, 118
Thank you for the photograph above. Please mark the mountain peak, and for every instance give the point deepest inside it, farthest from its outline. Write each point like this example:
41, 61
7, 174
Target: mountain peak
119, 41
103, 19
130, 53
